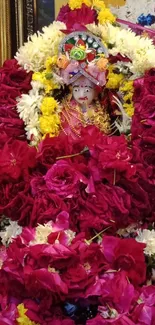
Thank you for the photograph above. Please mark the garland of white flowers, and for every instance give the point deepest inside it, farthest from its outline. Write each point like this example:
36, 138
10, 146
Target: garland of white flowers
140, 50
33, 55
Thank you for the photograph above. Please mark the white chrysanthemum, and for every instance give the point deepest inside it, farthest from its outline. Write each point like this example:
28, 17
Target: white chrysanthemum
33, 54
140, 50
28, 107
32, 128
29, 104
10, 233
95, 29
37, 85
70, 235
147, 237
42, 233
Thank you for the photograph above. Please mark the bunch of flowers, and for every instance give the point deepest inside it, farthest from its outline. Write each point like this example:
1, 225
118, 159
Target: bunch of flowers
79, 248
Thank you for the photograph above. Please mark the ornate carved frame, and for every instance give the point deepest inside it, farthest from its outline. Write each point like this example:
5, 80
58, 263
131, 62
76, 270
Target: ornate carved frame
30, 17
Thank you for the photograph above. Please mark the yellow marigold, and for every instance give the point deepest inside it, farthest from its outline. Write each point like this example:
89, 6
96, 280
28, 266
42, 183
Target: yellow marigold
75, 4
87, 3
42, 77
50, 62
22, 318
50, 85
99, 4
39, 76
128, 96
50, 125
127, 86
114, 80
129, 108
105, 16
48, 106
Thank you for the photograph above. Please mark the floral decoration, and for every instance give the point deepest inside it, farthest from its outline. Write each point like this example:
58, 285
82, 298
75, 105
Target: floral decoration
77, 214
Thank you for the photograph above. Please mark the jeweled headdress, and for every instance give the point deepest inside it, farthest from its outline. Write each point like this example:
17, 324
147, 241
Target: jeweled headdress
82, 53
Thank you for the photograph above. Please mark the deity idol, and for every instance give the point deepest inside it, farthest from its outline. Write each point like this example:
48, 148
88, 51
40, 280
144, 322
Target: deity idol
82, 63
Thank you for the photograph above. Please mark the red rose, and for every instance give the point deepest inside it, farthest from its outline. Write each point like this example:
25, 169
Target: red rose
146, 110
108, 206
16, 159
139, 90
114, 157
46, 207
15, 201
52, 148
149, 81
77, 279
64, 179
127, 255
145, 147
137, 128
11, 74
140, 202
37, 280
9, 118
78, 18
8, 95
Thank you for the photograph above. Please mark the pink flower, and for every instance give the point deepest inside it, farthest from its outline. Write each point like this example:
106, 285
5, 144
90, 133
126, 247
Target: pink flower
144, 314
127, 255
64, 179
118, 292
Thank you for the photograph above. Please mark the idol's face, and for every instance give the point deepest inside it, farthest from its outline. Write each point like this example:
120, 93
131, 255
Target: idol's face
84, 91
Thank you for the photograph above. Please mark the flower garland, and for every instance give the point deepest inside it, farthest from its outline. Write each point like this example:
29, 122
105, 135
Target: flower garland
33, 54
140, 50
45, 65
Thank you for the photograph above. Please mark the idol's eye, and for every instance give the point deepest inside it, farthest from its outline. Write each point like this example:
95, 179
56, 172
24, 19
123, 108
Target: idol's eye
76, 89
87, 90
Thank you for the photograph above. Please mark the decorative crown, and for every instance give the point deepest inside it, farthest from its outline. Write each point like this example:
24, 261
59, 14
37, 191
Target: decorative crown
85, 55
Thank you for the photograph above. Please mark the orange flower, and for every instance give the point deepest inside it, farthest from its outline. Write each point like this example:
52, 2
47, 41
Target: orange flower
62, 61
102, 64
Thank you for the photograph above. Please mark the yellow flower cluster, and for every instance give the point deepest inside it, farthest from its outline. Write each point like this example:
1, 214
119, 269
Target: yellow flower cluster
76, 4
98, 4
48, 106
45, 77
49, 120
106, 16
50, 62
127, 90
22, 318
114, 79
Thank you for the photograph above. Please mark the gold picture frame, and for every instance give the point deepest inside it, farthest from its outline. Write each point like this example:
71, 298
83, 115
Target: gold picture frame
5, 37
